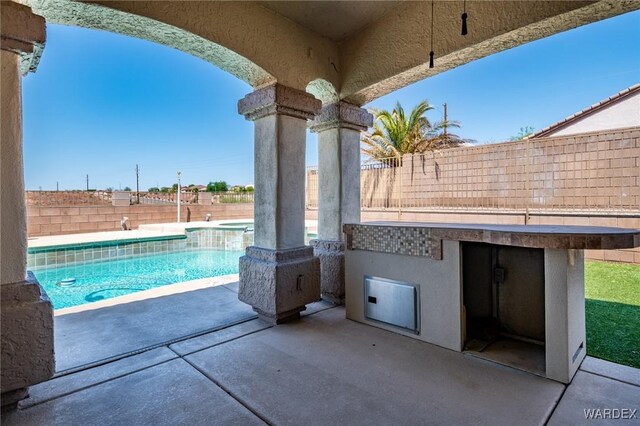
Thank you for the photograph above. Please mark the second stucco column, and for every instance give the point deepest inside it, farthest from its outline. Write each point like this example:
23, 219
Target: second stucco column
279, 275
338, 126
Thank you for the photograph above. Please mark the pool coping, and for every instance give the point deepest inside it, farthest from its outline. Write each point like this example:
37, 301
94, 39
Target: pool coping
165, 290
98, 239
230, 225
227, 224
144, 233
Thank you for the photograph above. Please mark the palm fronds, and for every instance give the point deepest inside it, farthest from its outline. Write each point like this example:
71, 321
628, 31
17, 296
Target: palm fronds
396, 134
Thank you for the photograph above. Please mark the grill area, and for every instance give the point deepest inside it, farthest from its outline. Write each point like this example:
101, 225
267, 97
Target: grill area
511, 294
503, 304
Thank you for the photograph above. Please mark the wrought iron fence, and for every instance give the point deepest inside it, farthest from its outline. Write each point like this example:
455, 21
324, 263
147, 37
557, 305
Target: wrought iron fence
79, 197
193, 197
232, 197
164, 197
592, 172
67, 198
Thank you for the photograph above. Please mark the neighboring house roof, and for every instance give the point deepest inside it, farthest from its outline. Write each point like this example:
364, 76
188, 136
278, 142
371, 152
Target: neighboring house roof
587, 111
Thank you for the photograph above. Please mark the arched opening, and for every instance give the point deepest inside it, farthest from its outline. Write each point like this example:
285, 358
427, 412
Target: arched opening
101, 108
323, 90
104, 18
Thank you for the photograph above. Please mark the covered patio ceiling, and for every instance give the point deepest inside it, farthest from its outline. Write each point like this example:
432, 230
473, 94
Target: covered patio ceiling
354, 51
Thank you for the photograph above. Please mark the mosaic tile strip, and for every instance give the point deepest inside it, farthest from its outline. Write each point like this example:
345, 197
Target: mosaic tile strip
409, 241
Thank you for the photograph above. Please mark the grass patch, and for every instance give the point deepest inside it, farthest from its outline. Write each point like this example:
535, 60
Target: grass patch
612, 291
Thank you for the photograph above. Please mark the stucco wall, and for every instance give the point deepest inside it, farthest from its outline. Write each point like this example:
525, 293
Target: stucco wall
80, 219
624, 113
439, 294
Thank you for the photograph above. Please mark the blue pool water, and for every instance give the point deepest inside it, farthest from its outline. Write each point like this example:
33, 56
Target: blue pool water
104, 280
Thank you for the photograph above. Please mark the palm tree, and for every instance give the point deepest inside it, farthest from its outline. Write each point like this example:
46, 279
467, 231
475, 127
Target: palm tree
439, 136
396, 134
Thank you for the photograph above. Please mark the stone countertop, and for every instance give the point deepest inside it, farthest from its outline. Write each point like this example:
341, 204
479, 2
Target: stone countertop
533, 236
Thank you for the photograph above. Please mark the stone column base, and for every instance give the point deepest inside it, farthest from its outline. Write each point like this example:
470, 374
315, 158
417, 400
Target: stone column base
331, 255
279, 283
26, 336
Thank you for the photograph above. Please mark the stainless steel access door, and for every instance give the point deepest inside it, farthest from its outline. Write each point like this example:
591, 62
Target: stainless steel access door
392, 302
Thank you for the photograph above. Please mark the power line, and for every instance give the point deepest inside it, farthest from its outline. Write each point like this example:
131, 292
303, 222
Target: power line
137, 184
445, 118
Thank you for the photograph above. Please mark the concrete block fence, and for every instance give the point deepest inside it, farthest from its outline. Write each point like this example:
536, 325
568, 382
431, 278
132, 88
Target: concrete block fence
57, 220
597, 171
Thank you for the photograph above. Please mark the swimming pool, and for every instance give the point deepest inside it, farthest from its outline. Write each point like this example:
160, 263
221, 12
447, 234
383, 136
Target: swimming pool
96, 281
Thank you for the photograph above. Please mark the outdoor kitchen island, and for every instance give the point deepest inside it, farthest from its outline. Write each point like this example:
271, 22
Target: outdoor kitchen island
513, 294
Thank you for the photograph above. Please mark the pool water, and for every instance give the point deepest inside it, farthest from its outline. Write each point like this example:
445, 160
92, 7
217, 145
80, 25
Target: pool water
104, 280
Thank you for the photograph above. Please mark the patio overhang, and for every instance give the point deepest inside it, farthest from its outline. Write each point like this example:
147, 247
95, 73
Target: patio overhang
364, 50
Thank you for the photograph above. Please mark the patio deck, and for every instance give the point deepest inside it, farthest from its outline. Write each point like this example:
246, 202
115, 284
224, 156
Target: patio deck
322, 369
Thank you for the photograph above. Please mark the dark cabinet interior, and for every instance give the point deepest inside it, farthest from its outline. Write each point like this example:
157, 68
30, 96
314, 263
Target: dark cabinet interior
503, 297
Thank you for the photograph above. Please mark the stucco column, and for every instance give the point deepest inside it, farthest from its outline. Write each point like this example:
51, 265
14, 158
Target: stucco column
338, 127
26, 311
279, 275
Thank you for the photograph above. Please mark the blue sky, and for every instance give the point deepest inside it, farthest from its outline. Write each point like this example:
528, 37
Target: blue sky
100, 103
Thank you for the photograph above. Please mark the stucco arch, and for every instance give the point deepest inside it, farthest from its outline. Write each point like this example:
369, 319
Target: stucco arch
95, 16
323, 90
394, 53
246, 39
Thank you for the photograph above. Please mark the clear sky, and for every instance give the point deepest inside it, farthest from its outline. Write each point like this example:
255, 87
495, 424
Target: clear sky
100, 103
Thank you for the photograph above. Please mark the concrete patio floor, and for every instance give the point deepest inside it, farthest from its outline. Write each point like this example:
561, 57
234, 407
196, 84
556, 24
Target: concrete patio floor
98, 335
322, 369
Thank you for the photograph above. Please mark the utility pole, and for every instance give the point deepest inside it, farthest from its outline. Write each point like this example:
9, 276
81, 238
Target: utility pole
87, 183
57, 187
137, 184
445, 119
179, 193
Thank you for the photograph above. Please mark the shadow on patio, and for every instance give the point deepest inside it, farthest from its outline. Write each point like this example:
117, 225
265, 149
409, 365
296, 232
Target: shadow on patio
96, 336
322, 369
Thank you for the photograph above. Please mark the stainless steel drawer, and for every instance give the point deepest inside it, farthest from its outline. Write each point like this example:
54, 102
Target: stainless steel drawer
392, 302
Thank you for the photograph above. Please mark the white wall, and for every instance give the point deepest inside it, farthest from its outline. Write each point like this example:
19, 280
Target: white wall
622, 114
